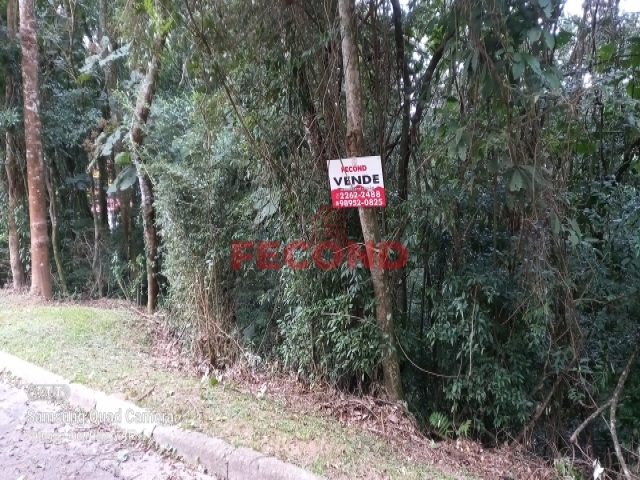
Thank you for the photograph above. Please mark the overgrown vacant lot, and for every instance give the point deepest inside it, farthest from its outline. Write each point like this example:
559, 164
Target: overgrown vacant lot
121, 353
188, 156
110, 349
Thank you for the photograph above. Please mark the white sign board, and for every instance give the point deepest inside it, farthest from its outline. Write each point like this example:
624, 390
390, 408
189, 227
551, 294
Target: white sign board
357, 182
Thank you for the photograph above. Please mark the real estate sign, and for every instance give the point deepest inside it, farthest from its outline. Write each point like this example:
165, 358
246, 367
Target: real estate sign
357, 182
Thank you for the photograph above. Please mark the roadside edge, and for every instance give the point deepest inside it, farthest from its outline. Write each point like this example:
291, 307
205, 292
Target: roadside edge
220, 458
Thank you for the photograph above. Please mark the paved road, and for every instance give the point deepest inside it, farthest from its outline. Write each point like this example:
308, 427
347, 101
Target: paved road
53, 451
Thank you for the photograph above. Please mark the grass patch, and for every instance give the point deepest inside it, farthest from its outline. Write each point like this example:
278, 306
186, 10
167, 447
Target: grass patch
110, 350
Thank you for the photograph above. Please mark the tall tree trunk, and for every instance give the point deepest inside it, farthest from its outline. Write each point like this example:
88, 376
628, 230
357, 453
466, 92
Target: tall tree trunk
96, 264
370, 228
403, 68
102, 161
124, 202
16, 193
40, 270
50, 177
102, 191
612, 413
405, 147
141, 114
150, 240
15, 189
313, 130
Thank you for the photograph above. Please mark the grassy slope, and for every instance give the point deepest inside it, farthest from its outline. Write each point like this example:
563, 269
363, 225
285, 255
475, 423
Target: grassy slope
108, 350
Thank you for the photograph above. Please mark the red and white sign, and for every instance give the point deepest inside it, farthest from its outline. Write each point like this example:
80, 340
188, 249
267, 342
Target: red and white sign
357, 182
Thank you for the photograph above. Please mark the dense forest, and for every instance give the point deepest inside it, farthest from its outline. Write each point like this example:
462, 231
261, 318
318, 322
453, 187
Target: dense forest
141, 139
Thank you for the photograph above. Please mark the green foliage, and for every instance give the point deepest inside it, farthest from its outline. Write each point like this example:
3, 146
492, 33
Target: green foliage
445, 429
463, 429
197, 228
333, 337
566, 470
127, 176
441, 424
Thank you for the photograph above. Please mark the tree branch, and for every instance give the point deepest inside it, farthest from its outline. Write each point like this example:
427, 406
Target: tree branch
424, 83
583, 425
627, 159
614, 406
541, 408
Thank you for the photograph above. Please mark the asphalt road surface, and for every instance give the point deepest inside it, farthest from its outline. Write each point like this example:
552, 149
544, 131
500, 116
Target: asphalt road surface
33, 450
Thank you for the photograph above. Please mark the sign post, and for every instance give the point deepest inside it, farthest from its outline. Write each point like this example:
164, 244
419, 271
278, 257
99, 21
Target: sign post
357, 182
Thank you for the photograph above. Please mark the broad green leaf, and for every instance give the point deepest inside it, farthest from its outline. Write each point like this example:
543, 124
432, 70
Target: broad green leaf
555, 224
107, 149
89, 63
552, 80
633, 89
606, 51
535, 175
549, 39
573, 238
128, 177
518, 69
118, 53
84, 77
125, 179
516, 182
266, 203
575, 226
533, 62
534, 34
123, 158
